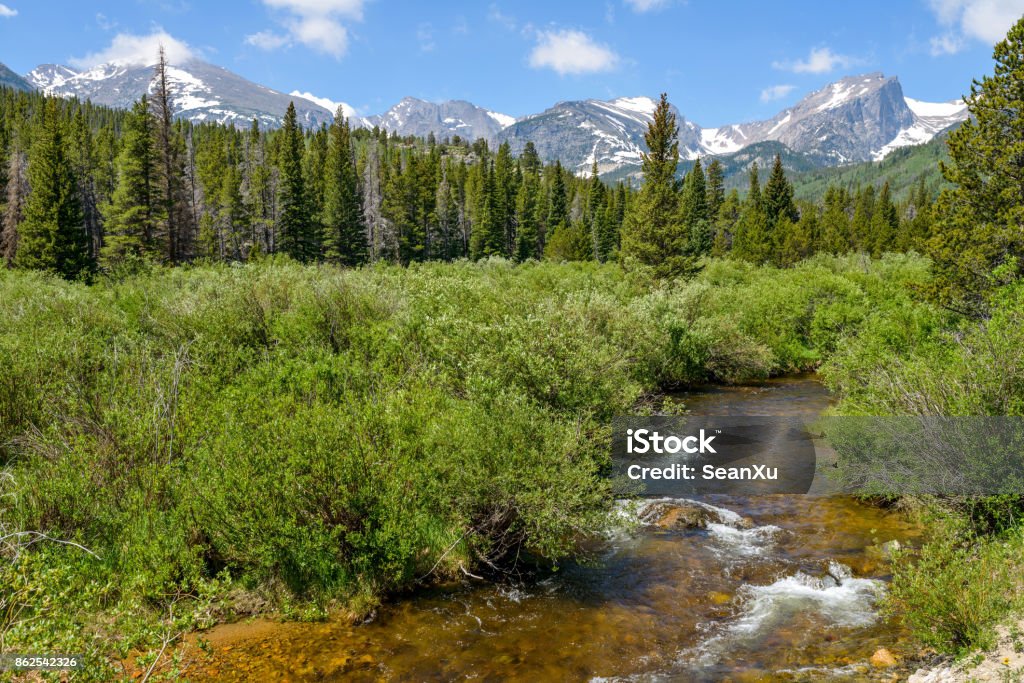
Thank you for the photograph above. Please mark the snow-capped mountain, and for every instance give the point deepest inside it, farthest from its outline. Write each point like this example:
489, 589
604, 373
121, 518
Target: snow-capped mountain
930, 118
350, 113
858, 118
444, 119
199, 92
579, 133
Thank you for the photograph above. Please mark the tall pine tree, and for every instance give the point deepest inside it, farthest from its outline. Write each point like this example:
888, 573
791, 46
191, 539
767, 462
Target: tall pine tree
52, 236
652, 233
344, 229
294, 223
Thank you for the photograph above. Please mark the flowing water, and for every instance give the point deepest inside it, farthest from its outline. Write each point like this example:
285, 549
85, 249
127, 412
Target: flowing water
777, 587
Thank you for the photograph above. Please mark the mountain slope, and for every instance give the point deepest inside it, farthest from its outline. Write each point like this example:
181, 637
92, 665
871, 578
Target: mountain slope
610, 132
10, 79
855, 119
417, 117
199, 92
902, 169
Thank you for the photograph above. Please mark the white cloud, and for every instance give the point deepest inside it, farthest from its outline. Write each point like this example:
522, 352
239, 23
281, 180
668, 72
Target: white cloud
947, 44
647, 5
821, 60
127, 48
776, 92
983, 20
267, 40
321, 33
7, 12
571, 52
317, 24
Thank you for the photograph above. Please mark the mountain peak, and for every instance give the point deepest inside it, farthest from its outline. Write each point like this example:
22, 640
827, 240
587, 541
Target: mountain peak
199, 91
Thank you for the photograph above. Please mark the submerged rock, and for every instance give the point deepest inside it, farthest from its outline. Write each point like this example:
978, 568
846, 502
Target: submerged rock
883, 659
686, 514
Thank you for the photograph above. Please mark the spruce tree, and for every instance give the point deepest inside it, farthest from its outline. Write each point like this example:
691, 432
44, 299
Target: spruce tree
168, 169
778, 195
863, 212
752, 240
131, 215
52, 236
294, 224
694, 212
885, 223
344, 229
715, 188
835, 223
652, 233
528, 218
978, 244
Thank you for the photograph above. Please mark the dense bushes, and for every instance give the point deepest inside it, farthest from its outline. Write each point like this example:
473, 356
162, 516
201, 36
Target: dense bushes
314, 434
918, 360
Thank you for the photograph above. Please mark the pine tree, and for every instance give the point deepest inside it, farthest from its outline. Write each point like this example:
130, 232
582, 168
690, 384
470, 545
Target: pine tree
715, 188
752, 240
558, 205
52, 236
694, 212
131, 215
863, 212
885, 223
344, 229
169, 167
601, 229
528, 217
797, 239
835, 223
84, 164
314, 177
257, 198
294, 224
978, 244
694, 202
448, 246
778, 195
725, 224
652, 233
920, 215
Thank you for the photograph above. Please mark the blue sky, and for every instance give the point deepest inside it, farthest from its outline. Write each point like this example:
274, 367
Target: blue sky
720, 62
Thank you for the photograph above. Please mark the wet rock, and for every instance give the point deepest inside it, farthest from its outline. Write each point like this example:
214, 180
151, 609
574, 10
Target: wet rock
885, 550
883, 659
719, 598
684, 514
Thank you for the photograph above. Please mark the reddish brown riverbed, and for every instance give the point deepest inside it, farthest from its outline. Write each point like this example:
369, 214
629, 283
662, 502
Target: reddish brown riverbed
791, 598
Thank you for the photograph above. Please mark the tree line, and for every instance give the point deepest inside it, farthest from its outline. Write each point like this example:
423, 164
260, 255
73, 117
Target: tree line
89, 189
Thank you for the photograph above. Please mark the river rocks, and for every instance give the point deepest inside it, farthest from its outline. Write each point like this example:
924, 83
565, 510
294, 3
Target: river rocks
686, 514
718, 598
883, 659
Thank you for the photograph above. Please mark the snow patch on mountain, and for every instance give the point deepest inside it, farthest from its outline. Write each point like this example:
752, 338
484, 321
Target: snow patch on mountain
504, 120
955, 110
332, 106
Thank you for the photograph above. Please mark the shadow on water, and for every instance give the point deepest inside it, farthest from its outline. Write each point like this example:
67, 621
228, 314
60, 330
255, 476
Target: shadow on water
775, 587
